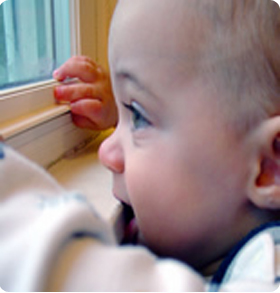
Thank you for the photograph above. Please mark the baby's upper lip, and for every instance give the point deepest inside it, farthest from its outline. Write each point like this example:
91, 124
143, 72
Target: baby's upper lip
117, 196
120, 198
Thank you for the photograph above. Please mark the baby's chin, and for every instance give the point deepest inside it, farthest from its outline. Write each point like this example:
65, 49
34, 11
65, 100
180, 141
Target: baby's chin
132, 234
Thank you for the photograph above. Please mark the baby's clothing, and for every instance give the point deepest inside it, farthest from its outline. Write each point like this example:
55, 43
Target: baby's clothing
253, 264
53, 240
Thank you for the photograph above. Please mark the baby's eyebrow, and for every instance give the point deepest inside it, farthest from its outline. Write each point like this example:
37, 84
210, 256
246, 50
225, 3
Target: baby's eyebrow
125, 75
130, 77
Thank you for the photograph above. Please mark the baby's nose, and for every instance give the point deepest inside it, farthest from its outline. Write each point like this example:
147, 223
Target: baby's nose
111, 154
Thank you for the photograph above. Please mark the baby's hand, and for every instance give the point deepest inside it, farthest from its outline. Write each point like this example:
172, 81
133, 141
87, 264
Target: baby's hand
91, 99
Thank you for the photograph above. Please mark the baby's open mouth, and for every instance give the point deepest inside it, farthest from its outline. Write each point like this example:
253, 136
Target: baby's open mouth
131, 230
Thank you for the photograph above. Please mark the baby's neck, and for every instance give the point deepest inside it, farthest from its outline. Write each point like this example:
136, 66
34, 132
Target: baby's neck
210, 269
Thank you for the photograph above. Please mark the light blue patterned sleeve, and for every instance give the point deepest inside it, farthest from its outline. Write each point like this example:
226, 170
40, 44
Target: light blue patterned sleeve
2, 154
37, 219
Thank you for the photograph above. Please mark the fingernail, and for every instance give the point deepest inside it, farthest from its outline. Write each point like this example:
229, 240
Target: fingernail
57, 92
56, 74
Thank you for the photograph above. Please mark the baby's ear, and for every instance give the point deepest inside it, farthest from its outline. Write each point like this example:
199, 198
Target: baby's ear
264, 188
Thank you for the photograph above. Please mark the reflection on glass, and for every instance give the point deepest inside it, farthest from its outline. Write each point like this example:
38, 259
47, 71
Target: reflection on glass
34, 39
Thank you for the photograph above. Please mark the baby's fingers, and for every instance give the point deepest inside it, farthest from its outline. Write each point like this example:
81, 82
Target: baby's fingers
83, 122
91, 110
80, 67
93, 114
74, 92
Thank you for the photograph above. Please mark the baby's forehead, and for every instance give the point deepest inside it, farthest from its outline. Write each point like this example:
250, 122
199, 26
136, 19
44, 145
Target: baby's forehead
160, 27
170, 14
181, 13
187, 21
197, 34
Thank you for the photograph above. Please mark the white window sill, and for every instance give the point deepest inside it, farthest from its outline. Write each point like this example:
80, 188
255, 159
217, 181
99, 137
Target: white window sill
34, 125
16, 126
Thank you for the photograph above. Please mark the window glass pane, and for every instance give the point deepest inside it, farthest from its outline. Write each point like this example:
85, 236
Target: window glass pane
34, 39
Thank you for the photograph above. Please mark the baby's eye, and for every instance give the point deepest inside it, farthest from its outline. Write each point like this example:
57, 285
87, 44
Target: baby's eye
138, 117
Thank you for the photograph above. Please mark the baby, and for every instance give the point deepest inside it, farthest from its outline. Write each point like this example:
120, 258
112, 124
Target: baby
196, 150
196, 155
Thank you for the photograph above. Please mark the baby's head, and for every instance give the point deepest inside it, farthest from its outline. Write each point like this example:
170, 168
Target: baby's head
195, 152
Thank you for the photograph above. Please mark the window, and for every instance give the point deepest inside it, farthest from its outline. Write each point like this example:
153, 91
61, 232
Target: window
34, 39
43, 34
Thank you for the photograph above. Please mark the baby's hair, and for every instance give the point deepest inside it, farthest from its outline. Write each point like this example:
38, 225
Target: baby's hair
243, 57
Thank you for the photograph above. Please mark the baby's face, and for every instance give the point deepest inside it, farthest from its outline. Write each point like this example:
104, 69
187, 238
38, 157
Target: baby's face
171, 157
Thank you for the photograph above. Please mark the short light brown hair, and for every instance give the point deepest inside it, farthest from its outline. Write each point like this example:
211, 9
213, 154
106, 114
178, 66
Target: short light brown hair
243, 58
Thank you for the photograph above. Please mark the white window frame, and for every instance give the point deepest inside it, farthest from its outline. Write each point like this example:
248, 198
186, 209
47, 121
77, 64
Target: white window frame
30, 107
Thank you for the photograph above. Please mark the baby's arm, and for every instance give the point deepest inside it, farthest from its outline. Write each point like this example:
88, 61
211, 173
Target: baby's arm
91, 99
